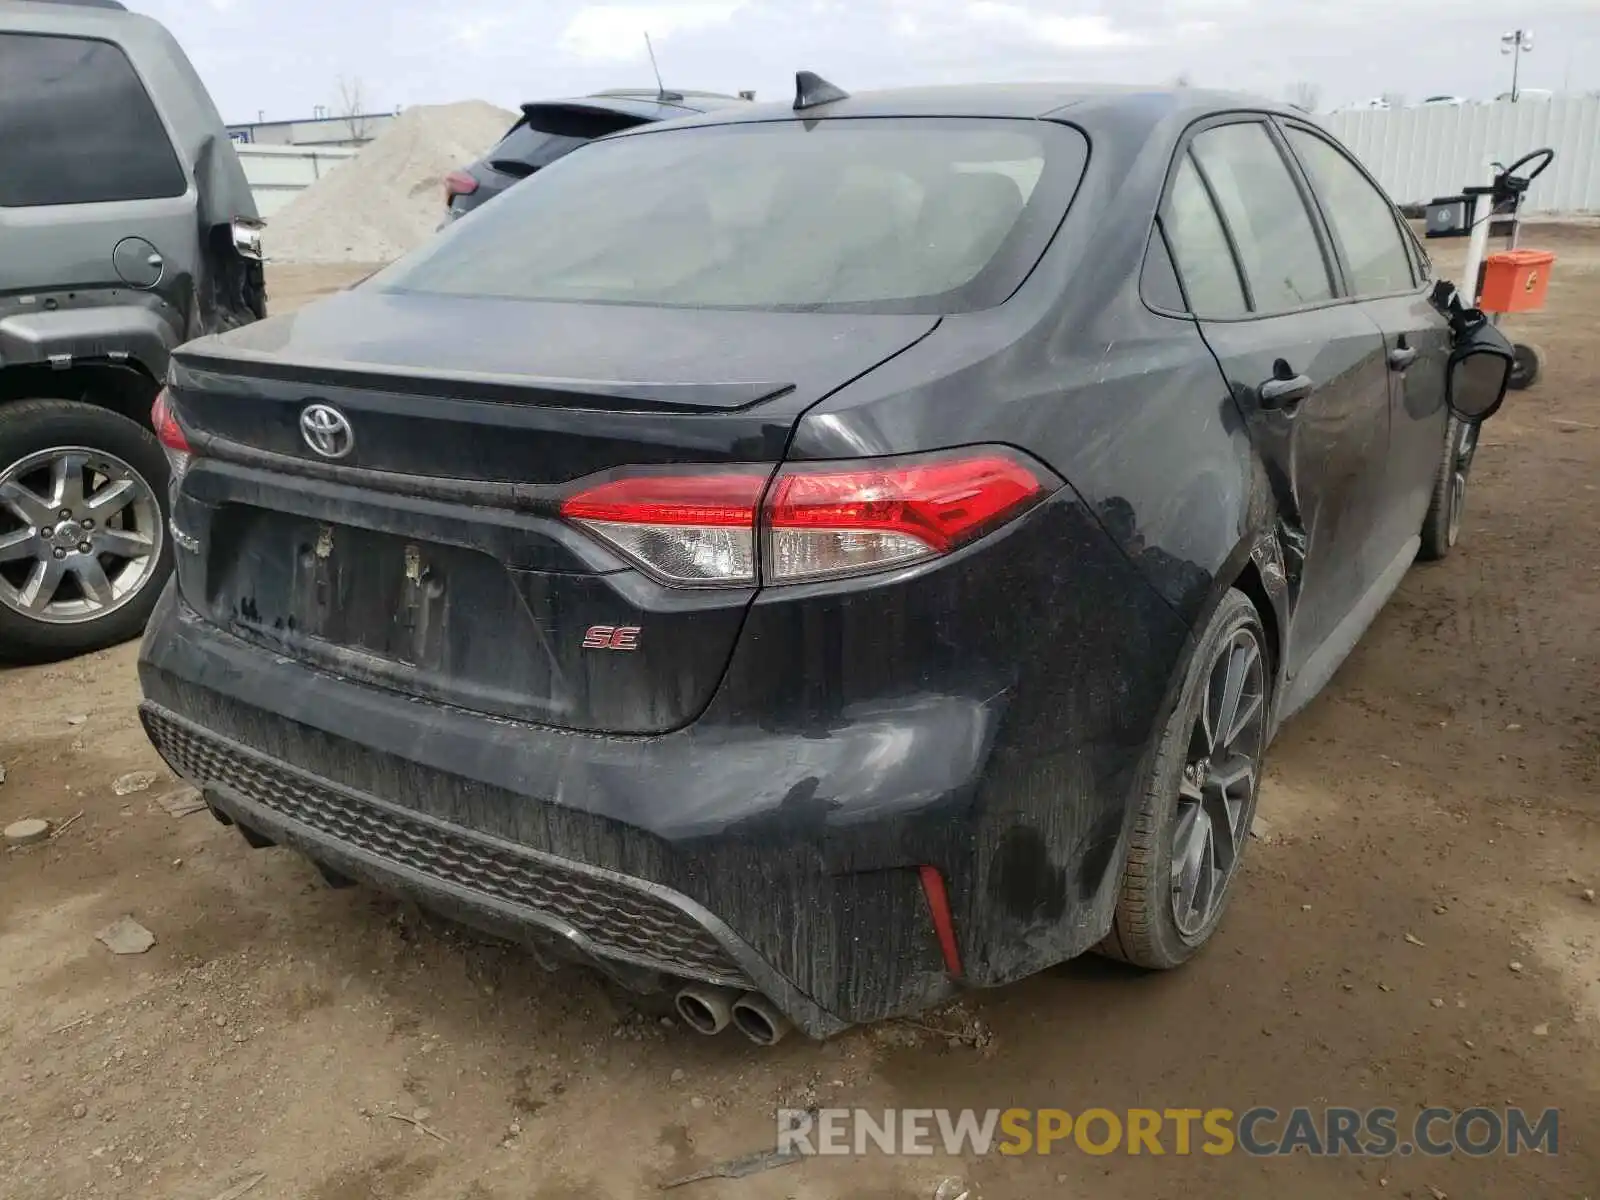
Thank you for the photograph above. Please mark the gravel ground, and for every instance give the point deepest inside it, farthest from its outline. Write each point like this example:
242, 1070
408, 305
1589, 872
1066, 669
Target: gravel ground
1431, 821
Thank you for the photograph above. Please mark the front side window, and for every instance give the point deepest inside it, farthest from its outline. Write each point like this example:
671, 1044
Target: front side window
1277, 244
888, 215
1360, 215
77, 126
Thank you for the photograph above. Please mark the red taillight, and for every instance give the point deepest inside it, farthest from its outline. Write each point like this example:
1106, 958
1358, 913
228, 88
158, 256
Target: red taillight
836, 519
170, 434
696, 529
458, 183
700, 526
168, 431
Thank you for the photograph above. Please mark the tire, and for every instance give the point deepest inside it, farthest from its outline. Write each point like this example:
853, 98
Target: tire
1185, 801
113, 549
1441, 528
1526, 366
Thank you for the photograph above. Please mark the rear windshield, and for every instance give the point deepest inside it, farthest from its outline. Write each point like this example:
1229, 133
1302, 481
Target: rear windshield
549, 132
883, 215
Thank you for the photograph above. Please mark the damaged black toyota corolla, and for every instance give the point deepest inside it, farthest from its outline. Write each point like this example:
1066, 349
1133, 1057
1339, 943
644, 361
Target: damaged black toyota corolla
820, 557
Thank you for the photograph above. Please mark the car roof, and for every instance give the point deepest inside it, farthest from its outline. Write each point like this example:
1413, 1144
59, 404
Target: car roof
1015, 100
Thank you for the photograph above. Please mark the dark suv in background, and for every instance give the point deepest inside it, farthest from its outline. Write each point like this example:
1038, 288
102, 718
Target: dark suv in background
552, 129
126, 227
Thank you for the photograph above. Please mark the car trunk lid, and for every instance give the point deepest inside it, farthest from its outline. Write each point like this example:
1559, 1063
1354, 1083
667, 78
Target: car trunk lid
427, 555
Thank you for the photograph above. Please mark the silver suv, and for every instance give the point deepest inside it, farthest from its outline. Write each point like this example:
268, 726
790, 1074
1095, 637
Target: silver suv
126, 228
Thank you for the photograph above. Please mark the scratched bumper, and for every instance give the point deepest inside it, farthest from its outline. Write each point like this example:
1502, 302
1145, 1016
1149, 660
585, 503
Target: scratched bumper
519, 831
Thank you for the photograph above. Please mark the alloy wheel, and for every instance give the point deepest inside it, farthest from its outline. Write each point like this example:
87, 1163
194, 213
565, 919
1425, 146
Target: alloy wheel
1219, 781
80, 535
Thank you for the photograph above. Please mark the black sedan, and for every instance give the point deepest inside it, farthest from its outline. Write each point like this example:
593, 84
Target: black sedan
811, 560
549, 130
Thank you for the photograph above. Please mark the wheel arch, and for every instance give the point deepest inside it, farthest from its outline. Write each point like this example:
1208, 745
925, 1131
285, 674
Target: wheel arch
1256, 568
125, 388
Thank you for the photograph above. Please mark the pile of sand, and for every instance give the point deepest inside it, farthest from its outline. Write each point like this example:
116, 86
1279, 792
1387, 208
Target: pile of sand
390, 198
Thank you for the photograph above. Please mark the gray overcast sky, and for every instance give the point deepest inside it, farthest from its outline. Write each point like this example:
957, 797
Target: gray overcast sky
284, 56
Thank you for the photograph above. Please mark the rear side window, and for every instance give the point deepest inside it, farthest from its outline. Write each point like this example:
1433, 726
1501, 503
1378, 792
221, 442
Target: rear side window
1205, 261
1277, 244
1362, 219
76, 126
880, 215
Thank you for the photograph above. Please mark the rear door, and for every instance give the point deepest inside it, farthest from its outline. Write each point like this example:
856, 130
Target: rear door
1385, 273
1306, 369
93, 196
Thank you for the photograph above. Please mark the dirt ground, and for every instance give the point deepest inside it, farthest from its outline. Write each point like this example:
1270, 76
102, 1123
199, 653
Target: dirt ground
1432, 820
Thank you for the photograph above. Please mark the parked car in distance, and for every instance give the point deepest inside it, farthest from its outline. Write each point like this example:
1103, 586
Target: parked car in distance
1445, 101
550, 129
1377, 102
817, 559
1528, 95
126, 227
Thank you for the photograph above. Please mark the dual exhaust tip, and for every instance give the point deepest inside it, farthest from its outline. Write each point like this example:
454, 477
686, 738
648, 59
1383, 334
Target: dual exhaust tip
710, 1010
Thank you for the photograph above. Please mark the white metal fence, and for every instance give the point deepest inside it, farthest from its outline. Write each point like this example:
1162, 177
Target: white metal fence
1435, 150
278, 173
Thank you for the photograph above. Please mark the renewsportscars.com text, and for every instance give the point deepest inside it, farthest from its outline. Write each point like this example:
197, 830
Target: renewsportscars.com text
1260, 1131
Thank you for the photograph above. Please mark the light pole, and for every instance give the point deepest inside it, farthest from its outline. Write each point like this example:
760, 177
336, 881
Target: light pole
1516, 43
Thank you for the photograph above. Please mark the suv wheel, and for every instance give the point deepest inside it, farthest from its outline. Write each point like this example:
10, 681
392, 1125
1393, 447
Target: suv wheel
83, 545
1194, 823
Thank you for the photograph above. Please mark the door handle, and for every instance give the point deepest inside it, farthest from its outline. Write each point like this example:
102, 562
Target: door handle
1279, 392
1402, 356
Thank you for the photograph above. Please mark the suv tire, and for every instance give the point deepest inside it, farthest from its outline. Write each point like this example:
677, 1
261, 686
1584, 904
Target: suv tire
1194, 819
112, 475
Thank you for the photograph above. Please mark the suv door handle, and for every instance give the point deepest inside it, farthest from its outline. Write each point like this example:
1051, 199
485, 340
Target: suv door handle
1285, 393
1402, 356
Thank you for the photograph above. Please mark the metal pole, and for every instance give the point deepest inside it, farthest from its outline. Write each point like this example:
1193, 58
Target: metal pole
1480, 217
1516, 64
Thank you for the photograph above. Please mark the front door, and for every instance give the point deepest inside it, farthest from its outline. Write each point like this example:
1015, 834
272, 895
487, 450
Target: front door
1388, 275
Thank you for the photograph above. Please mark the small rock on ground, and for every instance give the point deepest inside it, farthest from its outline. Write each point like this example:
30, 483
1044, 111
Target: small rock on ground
126, 936
27, 831
133, 781
180, 802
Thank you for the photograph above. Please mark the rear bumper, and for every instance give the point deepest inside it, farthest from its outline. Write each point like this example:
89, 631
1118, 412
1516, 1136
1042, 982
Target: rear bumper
633, 931
777, 841
543, 836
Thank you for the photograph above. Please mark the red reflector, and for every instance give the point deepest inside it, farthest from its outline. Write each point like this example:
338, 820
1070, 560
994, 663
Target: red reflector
458, 183
670, 500
168, 432
939, 909
941, 503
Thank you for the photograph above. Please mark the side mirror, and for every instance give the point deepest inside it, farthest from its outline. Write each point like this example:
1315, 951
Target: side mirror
1480, 371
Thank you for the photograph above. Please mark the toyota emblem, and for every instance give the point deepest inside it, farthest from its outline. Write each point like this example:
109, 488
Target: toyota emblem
327, 430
